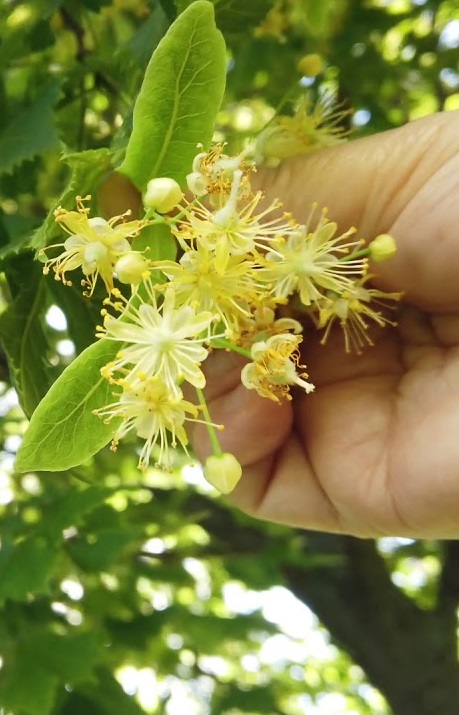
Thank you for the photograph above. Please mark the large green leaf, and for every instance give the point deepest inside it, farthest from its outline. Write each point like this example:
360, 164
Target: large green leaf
32, 132
179, 98
63, 432
21, 332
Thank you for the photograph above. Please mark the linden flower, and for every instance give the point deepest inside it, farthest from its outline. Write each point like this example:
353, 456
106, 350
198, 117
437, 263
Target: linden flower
231, 231
352, 310
94, 245
309, 262
263, 323
229, 296
273, 369
154, 414
310, 128
213, 173
164, 342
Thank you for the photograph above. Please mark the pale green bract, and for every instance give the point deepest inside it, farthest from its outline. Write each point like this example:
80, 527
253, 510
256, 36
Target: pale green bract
179, 98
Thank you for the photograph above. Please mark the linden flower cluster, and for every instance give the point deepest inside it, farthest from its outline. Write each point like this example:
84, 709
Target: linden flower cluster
239, 259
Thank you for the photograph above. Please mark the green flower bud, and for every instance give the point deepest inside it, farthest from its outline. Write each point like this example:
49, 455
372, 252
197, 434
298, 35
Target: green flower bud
162, 195
382, 248
311, 65
223, 471
131, 268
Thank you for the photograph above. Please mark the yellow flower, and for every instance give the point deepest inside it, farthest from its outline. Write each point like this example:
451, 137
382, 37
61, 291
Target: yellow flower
351, 308
274, 367
309, 262
164, 342
147, 408
94, 245
312, 127
213, 173
230, 295
233, 231
262, 324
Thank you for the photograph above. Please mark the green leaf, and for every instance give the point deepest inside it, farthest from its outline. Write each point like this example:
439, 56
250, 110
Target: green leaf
14, 233
63, 432
256, 699
141, 46
72, 656
108, 694
101, 551
87, 170
26, 568
35, 699
179, 98
38, 661
22, 335
32, 132
158, 241
169, 9
70, 510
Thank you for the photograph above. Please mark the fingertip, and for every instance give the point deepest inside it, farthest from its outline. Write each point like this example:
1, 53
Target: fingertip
223, 372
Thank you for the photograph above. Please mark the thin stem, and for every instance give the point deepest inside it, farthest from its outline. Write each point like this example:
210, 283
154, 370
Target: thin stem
154, 218
357, 254
178, 217
225, 344
209, 424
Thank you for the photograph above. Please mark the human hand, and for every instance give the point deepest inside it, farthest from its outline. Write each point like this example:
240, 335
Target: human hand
374, 450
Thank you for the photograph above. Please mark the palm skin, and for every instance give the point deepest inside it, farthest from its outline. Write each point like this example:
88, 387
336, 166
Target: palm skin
375, 449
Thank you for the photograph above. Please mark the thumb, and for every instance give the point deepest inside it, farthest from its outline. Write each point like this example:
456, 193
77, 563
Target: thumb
405, 182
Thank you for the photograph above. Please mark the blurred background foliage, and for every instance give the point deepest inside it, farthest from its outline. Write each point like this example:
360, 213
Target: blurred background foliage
123, 593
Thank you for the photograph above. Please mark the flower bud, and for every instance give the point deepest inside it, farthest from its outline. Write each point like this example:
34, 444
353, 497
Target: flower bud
223, 471
162, 194
382, 248
131, 268
311, 65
